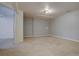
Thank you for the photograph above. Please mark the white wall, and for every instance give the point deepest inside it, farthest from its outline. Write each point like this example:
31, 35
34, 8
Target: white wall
35, 27
66, 25
40, 27
6, 32
7, 17
6, 28
28, 27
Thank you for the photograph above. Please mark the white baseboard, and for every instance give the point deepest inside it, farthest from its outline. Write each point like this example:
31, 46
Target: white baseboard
56, 36
60, 37
28, 36
6, 38
38, 35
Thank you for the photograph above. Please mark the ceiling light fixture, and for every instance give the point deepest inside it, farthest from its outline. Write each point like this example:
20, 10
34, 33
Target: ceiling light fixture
46, 11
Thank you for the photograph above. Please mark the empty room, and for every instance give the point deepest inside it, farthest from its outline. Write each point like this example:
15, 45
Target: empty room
39, 28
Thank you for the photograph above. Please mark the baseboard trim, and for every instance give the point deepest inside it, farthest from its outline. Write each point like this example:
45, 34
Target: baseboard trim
28, 36
60, 37
6, 38
38, 36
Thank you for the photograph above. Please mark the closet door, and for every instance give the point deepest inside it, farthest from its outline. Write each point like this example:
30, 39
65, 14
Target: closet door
40, 27
28, 28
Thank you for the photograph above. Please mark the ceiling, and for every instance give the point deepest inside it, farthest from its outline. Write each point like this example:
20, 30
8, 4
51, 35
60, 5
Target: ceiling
32, 9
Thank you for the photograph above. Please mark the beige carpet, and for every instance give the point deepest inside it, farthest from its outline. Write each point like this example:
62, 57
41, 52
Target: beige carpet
44, 46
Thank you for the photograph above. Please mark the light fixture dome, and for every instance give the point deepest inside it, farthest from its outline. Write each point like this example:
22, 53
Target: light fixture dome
46, 11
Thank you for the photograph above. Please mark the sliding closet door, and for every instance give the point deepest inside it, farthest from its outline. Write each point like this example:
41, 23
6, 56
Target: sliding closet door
40, 27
